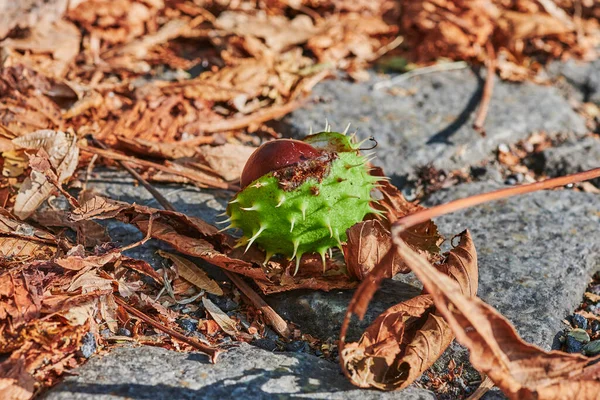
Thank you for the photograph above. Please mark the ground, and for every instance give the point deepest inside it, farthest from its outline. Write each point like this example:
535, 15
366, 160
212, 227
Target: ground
536, 252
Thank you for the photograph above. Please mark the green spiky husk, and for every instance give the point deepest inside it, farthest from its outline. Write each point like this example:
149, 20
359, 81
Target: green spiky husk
311, 218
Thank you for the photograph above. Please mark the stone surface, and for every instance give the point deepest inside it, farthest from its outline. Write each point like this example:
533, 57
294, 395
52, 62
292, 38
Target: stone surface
572, 157
245, 372
536, 253
321, 313
432, 121
583, 77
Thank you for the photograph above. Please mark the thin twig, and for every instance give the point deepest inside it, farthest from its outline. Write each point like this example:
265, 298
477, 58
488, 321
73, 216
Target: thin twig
258, 117
88, 171
211, 352
452, 66
271, 316
456, 205
201, 180
488, 88
387, 48
483, 388
157, 195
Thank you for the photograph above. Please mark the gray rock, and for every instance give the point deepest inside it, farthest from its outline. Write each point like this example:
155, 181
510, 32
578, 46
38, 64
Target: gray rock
245, 372
572, 157
582, 77
536, 253
434, 125
321, 313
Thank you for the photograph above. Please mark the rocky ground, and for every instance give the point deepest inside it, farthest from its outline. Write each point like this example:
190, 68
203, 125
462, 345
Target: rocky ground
536, 252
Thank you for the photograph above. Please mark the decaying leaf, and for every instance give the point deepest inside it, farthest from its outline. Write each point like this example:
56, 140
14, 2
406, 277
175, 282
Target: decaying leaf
368, 242
228, 159
59, 38
192, 273
222, 319
63, 154
409, 337
520, 370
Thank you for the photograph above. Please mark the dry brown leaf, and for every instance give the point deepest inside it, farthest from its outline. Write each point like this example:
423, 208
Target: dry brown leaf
277, 31
228, 160
409, 337
519, 26
114, 21
196, 238
14, 248
90, 282
189, 271
131, 56
16, 383
520, 370
424, 237
26, 13
592, 297
10, 226
63, 155
157, 149
89, 233
368, 242
25, 106
227, 324
77, 263
59, 38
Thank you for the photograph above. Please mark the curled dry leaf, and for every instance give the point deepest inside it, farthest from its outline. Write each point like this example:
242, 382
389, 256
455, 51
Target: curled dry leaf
63, 155
520, 370
189, 271
227, 324
228, 159
60, 38
409, 337
21, 241
368, 242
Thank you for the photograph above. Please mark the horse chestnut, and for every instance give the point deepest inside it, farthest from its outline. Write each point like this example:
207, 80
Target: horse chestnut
275, 155
301, 196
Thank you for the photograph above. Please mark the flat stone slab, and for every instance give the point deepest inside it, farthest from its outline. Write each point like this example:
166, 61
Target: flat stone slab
572, 157
245, 372
583, 77
536, 253
431, 121
321, 313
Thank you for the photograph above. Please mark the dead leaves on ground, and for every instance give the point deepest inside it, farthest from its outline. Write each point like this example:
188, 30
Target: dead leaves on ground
520, 370
525, 34
173, 88
194, 237
409, 337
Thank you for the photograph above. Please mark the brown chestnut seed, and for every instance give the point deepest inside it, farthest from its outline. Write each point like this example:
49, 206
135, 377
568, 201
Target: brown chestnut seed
274, 155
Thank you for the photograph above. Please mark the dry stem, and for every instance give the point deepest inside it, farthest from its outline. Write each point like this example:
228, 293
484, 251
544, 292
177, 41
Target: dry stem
430, 213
